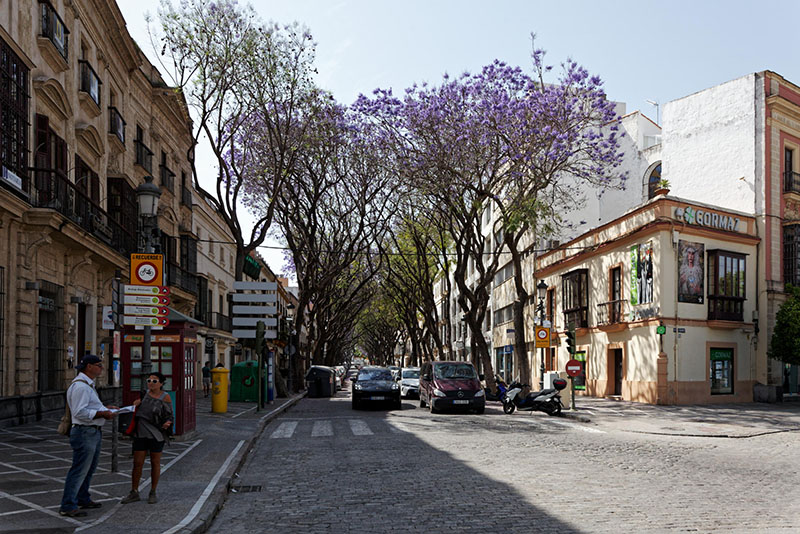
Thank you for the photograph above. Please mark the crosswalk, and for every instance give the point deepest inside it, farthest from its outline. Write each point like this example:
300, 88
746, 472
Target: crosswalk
329, 428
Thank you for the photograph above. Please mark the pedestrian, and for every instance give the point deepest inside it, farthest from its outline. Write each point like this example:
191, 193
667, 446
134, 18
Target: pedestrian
206, 379
152, 419
85, 437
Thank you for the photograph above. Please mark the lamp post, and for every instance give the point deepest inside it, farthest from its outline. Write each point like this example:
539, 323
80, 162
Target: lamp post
541, 292
147, 194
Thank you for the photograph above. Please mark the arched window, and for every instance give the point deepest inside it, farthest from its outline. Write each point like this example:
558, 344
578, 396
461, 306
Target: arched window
652, 181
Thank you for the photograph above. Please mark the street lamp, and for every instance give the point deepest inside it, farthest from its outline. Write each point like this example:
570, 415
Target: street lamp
541, 292
147, 194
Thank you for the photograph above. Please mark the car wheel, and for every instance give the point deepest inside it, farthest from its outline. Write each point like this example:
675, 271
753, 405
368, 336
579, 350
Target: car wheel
480, 410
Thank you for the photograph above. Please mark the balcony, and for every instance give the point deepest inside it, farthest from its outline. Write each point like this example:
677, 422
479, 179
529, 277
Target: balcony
54, 190
56, 33
167, 177
611, 315
721, 308
90, 83
116, 125
181, 278
218, 321
144, 156
791, 182
186, 196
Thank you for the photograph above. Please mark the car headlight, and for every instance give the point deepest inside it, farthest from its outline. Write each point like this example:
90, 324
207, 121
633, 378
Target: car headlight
439, 393
479, 393
395, 386
356, 385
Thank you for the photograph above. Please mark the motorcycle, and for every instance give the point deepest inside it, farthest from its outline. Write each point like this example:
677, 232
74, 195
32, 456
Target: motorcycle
546, 400
498, 395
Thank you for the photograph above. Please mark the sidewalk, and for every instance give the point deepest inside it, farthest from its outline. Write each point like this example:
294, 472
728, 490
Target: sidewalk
742, 420
196, 471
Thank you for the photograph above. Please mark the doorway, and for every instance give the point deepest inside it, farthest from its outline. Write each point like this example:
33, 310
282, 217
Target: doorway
616, 355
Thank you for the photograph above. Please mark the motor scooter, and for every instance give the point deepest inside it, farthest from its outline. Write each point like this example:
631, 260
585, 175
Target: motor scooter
546, 400
498, 395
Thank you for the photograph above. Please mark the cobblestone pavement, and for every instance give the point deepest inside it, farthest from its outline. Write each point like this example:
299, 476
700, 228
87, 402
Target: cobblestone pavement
323, 467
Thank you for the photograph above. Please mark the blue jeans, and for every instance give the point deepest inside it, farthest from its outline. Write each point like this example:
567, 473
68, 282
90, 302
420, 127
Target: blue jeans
86, 442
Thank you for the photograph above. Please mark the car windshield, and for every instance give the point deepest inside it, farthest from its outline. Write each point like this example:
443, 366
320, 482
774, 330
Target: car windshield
411, 373
374, 374
454, 370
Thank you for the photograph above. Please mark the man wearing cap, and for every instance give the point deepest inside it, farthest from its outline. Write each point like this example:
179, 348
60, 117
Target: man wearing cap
85, 437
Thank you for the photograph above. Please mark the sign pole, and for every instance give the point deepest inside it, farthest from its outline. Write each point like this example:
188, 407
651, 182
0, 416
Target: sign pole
572, 393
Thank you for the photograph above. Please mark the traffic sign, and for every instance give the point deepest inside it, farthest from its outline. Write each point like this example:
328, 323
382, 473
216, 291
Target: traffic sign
147, 310
147, 269
542, 337
251, 334
574, 368
135, 320
146, 290
661, 330
144, 300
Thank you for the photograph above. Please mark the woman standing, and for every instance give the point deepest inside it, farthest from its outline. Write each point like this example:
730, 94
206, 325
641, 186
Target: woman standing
153, 418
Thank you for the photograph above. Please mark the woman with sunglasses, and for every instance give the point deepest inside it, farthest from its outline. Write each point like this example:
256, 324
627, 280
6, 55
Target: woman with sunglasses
153, 418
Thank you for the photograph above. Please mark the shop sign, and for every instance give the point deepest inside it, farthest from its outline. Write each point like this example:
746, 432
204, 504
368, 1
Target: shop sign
708, 219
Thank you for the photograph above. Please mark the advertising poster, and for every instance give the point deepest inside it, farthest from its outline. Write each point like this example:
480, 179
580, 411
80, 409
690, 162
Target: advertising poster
634, 275
645, 273
690, 272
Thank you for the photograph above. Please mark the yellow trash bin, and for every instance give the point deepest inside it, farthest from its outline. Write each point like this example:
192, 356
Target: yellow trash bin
219, 390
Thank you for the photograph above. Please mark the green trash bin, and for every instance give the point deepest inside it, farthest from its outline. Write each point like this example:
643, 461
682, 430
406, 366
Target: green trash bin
244, 381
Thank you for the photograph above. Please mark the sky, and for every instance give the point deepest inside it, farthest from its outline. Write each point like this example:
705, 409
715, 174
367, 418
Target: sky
643, 50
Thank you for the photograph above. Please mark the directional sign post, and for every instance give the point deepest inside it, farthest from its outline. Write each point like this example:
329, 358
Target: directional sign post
144, 305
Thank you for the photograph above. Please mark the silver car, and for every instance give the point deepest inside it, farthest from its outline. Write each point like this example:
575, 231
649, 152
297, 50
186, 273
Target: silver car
409, 382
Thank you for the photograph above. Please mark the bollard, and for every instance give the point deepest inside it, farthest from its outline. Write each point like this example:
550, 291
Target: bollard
219, 390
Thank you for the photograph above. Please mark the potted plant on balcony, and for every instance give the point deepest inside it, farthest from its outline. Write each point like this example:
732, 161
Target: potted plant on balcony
662, 188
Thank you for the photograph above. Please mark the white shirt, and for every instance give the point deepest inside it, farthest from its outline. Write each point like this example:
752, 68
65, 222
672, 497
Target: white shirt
84, 402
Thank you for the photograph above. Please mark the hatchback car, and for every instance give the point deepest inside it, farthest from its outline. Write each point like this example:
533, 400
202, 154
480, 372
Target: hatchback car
450, 385
409, 382
375, 385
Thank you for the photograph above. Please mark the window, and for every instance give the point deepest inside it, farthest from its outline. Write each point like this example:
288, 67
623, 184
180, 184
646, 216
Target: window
575, 288
54, 29
504, 362
90, 83
50, 346
504, 274
123, 209
726, 285
550, 306
144, 157
503, 315
791, 259
791, 179
50, 166
652, 181
167, 176
721, 372
86, 180
186, 192
13, 118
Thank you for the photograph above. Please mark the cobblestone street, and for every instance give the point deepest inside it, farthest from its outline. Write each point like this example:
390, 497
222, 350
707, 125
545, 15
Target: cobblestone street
324, 467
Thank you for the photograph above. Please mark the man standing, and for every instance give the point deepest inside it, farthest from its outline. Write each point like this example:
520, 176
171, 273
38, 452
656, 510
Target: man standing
206, 378
85, 437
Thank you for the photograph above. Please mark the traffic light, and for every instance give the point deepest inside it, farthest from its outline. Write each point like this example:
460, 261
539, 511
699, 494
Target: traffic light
571, 340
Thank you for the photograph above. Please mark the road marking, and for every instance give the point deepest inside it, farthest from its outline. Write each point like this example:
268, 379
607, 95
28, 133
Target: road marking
206, 493
142, 487
360, 427
285, 430
579, 427
322, 428
39, 508
244, 412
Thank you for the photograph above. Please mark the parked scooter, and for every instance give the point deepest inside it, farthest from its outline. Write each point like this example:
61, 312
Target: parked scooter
546, 400
498, 395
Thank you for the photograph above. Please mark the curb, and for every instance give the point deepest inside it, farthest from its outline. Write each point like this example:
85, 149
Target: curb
576, 415
219, 495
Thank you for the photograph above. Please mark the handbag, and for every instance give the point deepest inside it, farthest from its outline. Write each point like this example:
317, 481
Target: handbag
65, 425
132, 425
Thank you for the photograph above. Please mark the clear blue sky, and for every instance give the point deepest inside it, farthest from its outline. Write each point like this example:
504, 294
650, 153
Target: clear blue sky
643, 50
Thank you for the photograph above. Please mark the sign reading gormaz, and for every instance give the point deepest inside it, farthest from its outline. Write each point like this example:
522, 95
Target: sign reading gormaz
707, 218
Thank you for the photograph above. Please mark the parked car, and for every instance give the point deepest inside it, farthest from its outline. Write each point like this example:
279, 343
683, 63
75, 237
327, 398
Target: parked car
375, 384
450, 385
409, 382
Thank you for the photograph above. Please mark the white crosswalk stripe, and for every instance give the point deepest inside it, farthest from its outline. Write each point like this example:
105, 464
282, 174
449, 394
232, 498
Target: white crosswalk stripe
360, 427
285, 430
322, 428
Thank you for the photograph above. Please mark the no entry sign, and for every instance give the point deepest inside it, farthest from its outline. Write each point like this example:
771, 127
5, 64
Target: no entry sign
574, 368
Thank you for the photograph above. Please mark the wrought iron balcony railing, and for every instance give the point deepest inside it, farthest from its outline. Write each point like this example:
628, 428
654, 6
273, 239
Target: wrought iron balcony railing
218, 321
116, 124
611, 312
144, 156
179, 277
167, 177
54, 28
791, 182
90, 82
52, 189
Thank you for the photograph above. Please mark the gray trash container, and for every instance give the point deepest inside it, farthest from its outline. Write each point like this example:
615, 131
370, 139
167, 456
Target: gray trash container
320, 381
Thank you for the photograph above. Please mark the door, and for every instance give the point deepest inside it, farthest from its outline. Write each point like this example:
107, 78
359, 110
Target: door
51, 336
617, 372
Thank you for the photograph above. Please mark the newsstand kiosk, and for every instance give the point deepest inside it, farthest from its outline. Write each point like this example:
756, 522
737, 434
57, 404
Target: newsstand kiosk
173, 352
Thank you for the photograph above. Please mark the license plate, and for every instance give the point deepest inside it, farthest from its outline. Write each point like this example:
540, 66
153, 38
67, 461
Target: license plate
460, 402
377, 398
